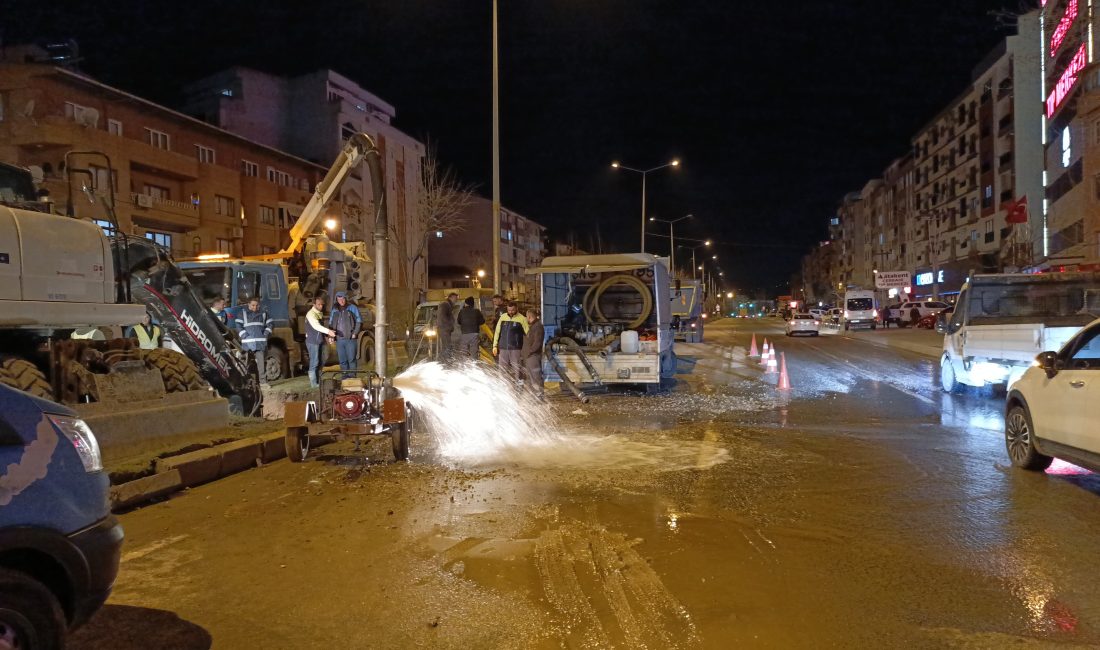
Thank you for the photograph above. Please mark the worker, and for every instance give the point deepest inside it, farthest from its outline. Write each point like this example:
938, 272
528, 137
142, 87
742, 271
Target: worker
255, 326
470, 320
220, 312
147, 333
532, 352
498, 309
317, 335
445, 326
508, 341
346, 321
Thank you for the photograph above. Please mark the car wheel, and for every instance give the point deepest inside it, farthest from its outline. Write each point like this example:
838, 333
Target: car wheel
297, 443
399, 437
276, 364
948, 382
1020, 441
30, 614
817, 333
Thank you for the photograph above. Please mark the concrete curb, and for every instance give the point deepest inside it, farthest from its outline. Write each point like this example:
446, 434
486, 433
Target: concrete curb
201, 466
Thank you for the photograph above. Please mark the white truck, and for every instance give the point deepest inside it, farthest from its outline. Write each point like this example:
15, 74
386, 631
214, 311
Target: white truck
1002, 321
608, 320
859, 309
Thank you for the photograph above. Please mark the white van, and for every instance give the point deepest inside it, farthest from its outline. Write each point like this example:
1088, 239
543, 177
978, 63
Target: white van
859, 309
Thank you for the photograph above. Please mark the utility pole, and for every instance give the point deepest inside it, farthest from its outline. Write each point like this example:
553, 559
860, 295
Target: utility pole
496, 159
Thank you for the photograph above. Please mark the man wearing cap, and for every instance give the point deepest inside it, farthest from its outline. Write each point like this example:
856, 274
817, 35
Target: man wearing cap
345, 321
470, 320
445, 326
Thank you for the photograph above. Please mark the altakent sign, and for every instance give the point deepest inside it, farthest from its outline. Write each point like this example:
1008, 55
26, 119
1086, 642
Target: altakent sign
892, 279
1067, 81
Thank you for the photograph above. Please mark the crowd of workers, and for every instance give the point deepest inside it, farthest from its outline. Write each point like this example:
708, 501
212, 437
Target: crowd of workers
517, 338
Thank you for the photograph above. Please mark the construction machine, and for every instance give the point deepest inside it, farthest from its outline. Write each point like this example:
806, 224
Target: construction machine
286, 282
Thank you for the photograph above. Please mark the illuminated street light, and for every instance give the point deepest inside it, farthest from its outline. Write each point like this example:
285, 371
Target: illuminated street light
671, 237
729, 295
675, 162
330, 224
481, 273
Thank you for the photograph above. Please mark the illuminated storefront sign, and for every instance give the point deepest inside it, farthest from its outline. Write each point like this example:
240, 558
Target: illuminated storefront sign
925, 279
1062, 30
1067, 81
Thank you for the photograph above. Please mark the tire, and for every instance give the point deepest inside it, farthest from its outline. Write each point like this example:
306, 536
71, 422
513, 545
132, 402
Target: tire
847, 326
177, 371
25, 376
817, 333
1020, 441
297, 443
399, 437
366, 352
948, 381
30, 614
276, 364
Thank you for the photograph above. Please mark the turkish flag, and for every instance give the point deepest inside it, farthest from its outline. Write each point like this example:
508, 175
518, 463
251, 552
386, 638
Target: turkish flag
1016, 211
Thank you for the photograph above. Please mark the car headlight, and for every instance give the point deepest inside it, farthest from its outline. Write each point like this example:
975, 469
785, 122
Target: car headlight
78, 433
874, 313
430, 333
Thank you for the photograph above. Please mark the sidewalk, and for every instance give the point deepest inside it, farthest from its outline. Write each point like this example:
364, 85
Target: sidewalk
926, 343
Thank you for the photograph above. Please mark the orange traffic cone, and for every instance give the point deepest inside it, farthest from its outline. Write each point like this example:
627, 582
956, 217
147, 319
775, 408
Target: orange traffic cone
784, 379
772, 365
753, 352
764, 356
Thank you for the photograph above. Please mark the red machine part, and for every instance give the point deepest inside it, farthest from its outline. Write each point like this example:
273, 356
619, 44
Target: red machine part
349, 405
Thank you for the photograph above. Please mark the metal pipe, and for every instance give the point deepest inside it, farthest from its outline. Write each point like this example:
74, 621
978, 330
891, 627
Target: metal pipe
496, 160
381, 251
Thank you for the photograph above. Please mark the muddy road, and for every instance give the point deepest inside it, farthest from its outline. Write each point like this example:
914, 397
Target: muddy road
864, 509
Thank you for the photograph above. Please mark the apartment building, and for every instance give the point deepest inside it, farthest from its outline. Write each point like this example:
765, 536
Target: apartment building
943, 210
456, 257
190, 186
1070, 136
312, 116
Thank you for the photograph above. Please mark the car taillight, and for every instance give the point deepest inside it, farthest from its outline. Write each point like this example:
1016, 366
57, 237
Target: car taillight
817, 322
78, 433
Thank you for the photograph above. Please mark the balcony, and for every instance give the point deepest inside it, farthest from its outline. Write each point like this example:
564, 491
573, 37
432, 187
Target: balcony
168, 211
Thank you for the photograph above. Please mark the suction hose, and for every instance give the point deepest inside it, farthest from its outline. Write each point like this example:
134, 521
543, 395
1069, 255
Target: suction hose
592, 309
551, 354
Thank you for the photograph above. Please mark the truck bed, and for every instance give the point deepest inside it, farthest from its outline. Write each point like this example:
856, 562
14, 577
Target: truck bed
1014, 342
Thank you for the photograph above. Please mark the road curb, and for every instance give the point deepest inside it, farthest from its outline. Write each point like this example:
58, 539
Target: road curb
201, 466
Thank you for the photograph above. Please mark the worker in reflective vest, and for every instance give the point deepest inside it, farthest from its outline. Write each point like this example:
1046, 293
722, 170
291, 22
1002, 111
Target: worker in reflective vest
147, 334
255, 326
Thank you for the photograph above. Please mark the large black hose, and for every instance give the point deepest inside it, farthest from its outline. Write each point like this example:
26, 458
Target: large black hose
550, 352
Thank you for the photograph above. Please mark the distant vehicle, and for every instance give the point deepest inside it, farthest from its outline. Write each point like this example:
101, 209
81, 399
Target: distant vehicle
1001, 321
59, 543
817, 312
835, 316
687, 310
925, 308
859, 309
803, 324
1052, 410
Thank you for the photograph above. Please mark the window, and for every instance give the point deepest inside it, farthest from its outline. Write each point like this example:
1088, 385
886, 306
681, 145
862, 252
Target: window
224, 245
250, 168
439, 234
107, 226
100, 181
205, 154
223, 205
267, 215
161, 238
227, 92
81, 114
248, 283
114, 127
278, 177
157, 192
158, 139
271, 282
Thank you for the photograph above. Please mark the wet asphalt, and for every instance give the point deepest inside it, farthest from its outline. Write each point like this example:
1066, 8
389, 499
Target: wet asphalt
862, 508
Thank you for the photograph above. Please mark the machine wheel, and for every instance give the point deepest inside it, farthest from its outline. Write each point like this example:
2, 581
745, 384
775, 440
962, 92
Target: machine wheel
399, 436
177, 371
1020, 441
297, 443
24, 375
366, 351
276, 364
948, 382
30, 615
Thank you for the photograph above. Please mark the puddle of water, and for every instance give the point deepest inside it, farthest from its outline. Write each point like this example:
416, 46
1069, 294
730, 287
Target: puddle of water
477, 417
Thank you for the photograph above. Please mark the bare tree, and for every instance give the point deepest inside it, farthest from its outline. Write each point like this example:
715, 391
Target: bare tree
439, 206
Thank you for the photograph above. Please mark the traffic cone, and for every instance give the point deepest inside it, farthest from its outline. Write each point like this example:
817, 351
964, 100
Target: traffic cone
764, 356
772, 366
784, 379
753, 352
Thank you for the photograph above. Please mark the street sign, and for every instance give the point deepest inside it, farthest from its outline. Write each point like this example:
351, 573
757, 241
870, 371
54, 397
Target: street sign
892, 279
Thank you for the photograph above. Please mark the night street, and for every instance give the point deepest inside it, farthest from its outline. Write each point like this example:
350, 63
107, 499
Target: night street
864, 509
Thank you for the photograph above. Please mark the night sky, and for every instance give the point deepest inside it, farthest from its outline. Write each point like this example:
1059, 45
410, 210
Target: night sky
777, 109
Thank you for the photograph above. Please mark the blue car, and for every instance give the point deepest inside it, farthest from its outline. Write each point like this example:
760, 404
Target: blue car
59, 543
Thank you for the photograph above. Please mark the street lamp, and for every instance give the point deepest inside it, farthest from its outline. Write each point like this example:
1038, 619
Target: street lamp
675, 162
693, 249
496, 158
671, 238
330, 224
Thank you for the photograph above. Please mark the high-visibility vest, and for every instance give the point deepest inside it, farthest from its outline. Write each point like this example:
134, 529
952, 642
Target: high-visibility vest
147, 339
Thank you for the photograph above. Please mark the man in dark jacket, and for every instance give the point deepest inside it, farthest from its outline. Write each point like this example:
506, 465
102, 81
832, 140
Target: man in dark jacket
255, 326
470, 320
508, 341
346, 321
532, 352
445, 326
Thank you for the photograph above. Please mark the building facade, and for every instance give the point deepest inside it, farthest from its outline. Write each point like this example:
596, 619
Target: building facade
457, 257
191, 187
312, 116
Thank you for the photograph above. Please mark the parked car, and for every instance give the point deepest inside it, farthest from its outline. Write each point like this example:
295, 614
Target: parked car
59, 544
835, 316
923, 308
1052, 409
817, 313
892, 313
803, 324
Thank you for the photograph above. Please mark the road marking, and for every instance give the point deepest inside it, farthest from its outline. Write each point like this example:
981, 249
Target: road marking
151, 548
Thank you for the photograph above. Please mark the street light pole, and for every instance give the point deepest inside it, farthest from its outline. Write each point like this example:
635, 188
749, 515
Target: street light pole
675, 162
496, 159
671, 239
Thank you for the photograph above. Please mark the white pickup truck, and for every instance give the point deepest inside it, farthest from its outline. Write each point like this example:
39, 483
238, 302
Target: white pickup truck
1002, 321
